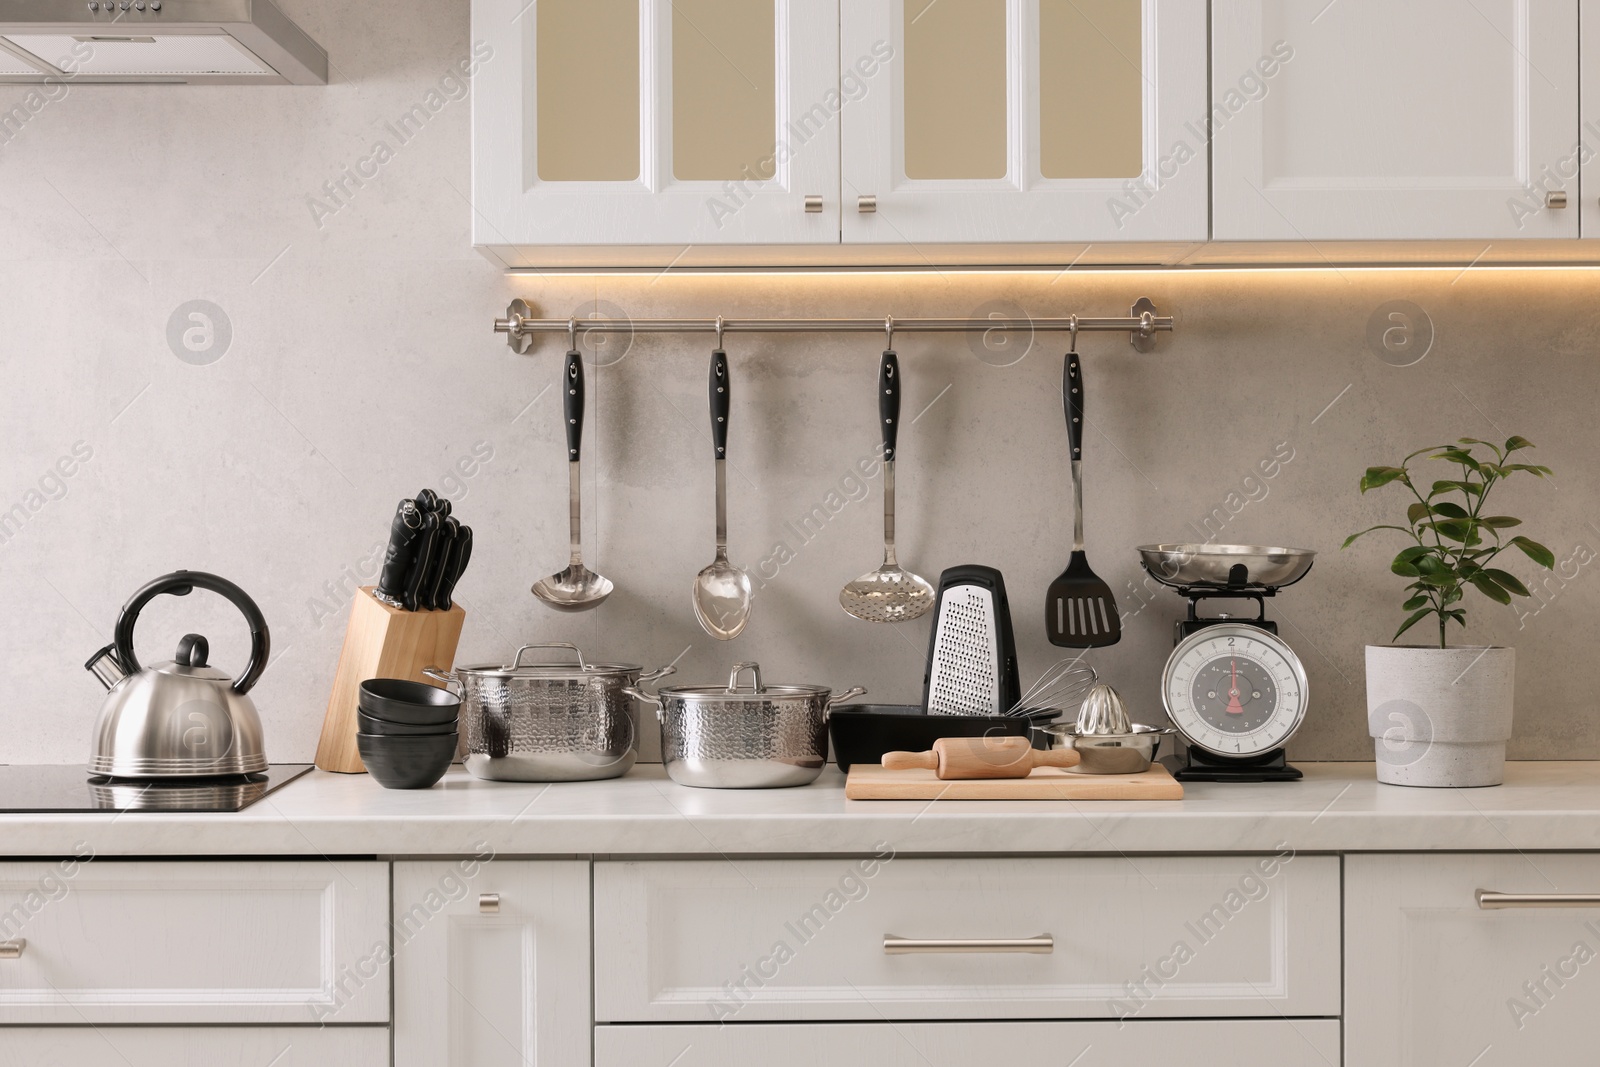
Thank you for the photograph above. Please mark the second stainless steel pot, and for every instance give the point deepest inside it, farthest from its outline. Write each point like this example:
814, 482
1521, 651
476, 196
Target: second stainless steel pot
549, 722
760, 737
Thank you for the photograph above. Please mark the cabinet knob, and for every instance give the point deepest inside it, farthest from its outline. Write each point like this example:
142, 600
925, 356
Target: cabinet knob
489, 903
1556, 198
866, 204
12, 950
813, 204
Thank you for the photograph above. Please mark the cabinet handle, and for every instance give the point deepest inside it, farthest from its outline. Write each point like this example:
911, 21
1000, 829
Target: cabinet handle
12, 950
1556, 198
489, 903
813, 204
897, 946
1489, 900
866, 204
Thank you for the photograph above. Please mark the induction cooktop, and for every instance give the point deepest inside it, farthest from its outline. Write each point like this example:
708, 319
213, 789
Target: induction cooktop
56, 788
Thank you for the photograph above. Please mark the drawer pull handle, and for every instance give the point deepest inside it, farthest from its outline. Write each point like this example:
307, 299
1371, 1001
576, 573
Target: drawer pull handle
12, 950
897, 946
489, 903
1489, 900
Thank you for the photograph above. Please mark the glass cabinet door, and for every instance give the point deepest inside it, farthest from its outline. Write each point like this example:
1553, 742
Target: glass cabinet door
656, 122
1025, 121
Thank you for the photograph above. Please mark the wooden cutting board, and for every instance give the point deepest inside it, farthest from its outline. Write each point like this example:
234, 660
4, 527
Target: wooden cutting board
869, 781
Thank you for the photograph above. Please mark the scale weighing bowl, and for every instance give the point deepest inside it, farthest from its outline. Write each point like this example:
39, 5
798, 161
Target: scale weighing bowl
1218, 566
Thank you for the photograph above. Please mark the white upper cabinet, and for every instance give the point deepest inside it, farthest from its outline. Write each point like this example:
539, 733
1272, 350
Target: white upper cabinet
655, 122
1023, 121
1429, 119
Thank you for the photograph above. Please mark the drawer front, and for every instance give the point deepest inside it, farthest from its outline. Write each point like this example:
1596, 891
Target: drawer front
1242, 1043
714, 941
164, 1046
1435, 979
111, 942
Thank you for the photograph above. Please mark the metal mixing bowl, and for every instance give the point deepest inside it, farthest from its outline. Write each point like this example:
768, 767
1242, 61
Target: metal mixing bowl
1214, 565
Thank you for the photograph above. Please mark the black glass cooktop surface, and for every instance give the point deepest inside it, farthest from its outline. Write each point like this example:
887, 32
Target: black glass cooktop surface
53, 788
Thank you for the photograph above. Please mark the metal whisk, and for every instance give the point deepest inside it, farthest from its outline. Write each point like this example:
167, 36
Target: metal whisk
1063, 686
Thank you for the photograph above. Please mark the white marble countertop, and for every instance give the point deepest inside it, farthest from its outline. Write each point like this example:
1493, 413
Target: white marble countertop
1339, 807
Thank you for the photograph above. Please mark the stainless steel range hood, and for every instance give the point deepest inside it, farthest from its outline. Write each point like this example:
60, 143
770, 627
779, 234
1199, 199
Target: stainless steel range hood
177, 42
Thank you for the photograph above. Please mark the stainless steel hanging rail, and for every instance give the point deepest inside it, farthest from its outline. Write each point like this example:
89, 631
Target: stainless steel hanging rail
1141, 325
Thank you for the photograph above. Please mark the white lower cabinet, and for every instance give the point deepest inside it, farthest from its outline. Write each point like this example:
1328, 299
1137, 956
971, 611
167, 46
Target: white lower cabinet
709, 941
108, 941
161, 1046
491, 963
1274, 1043
1435, 980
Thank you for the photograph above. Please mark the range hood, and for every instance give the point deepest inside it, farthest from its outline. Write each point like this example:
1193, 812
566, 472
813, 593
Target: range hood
175, 42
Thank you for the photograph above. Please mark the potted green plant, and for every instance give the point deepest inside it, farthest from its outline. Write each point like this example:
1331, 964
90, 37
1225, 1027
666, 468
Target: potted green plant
1441, 715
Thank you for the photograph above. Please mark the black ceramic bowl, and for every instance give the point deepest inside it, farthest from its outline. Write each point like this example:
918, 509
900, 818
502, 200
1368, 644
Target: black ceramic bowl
862, 733
369, 724
403, 701
397, 762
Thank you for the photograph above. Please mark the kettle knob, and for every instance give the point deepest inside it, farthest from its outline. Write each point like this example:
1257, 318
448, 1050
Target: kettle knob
192, 651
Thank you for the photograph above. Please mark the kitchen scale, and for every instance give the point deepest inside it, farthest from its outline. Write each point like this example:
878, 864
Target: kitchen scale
1234, 689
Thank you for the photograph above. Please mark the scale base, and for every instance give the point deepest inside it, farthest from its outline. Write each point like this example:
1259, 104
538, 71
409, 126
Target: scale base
1200, 766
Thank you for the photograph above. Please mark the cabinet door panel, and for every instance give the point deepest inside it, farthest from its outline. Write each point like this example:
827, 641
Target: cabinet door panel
1381, 121
485, 988
1433, 980
1024, 121
714, 131
163, 1046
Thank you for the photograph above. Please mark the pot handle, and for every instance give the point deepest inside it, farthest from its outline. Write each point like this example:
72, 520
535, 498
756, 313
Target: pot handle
438, 675
516, 661
657, 674
848, 694
642, 697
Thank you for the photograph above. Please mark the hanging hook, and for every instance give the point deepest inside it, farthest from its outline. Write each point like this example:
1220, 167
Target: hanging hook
572, 335
888, 332
719, 333
1072, 327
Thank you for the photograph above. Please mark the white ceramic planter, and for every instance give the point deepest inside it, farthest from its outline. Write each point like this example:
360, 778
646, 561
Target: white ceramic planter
1440, 716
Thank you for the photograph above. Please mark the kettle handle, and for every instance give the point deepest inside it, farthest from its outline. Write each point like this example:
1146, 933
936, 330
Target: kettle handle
179, 583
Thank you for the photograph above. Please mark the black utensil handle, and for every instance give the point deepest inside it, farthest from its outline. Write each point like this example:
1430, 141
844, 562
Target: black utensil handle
179, 583
420, 563
572, 403
1072, 399
428, 500
720, 403
889, 400
442, 557
460, 554
403, 532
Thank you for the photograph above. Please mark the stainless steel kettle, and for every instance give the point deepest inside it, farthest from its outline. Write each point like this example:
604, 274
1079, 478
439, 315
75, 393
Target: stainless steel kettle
181, 718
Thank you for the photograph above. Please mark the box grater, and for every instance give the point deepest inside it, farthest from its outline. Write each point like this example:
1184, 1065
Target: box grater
972, 658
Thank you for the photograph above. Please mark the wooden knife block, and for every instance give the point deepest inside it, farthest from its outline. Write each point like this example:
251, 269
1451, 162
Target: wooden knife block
381, 642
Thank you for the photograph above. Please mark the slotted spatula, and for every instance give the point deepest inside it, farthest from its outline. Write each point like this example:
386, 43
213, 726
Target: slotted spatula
1079, 609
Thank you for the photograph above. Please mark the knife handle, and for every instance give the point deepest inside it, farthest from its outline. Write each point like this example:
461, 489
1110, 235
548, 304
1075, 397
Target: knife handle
403, 532
721, 403
572, 403
1072, 400
889, 401
428, 500
419, 564
460, 555
432, 584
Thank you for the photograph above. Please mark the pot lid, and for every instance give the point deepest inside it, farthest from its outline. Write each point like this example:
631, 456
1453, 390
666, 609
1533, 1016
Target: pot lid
553, 671
755, 691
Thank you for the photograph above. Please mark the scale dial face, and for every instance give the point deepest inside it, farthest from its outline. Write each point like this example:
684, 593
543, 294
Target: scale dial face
1235, 690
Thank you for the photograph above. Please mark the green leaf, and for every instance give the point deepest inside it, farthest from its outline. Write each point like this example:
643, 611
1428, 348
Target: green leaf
1449, 510
1458, 455
1417, 512
1380, 476
1351, 539
1409, 623
1459, 615
1499, 522
1507, 580
1404, 568
1414, 603
1450, 486
1454, 529
1531, 468
1437, 581
1451, 595
1515, 442
1486, 585
1536, 552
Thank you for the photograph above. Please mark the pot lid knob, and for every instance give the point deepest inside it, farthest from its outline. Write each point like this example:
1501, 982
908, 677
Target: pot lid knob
192, 651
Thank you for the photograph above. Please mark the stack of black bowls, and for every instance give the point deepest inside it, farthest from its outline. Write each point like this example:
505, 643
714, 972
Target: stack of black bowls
407, 735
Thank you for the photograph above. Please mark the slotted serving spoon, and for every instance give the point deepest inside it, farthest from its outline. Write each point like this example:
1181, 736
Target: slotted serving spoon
1079, 608
577, 588
722, 590
891, 593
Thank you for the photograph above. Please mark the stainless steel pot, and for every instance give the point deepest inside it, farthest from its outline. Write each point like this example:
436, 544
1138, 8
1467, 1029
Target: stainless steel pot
549, 722
762, 737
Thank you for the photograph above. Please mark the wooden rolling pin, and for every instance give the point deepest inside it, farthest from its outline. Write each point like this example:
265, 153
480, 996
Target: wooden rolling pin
981, 757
